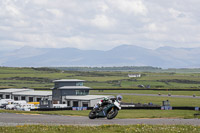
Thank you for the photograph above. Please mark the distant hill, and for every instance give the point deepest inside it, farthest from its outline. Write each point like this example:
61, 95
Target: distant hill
124, 55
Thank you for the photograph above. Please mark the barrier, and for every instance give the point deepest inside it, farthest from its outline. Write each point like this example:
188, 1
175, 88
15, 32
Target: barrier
123, 108
57, 109
79, 108
184, 108
166, 107
51, 109
131, 89
149, 89
129, 108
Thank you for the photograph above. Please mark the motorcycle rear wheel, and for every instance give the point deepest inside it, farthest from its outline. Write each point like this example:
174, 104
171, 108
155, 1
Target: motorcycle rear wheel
92, 114
112, 113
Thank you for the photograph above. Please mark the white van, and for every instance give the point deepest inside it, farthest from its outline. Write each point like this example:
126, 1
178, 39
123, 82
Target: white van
4, 102
26, 107
13, 104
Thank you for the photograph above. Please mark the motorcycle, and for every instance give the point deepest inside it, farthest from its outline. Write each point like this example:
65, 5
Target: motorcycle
110, 110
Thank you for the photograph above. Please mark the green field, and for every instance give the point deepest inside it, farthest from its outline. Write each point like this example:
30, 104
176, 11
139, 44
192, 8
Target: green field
101, 129
174, 101
187, 93
41, 78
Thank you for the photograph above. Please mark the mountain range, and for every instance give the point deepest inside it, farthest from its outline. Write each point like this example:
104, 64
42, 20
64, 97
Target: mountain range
123, 55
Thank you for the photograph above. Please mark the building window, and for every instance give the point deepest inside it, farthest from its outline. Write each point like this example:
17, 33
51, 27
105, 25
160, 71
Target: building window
7, 96
23, 98
38, 99
44, 102
16, 98
85, 104
56, 85
1, 96
68, 103
30, 99
79, 84
81, 92
75, 103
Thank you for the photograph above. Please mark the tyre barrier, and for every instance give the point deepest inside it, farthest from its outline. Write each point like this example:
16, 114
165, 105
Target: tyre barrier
123, 108
129, 108
57, 109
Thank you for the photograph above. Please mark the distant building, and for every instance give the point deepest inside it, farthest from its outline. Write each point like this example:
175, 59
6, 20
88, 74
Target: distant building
8, 93
134, 75
32, 96
68, 87
65, 91
25, 94
73, 93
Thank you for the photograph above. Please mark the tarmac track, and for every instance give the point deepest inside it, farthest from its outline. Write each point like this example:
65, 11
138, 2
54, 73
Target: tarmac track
11, 119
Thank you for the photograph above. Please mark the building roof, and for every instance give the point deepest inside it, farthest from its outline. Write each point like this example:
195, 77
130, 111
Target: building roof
12, 90
68, 80
34, 93
73, 87
87, 97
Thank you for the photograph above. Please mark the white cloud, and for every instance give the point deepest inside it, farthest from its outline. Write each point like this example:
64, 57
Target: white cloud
103, 21
136, 7
153, 27
56, 12
103, 7
175, 13
99, 24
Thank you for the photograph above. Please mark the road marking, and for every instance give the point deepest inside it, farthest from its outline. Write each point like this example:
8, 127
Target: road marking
27, 114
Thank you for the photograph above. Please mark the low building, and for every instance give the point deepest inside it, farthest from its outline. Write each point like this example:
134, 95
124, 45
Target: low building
32, 96
8, 93
134, 75
83, 101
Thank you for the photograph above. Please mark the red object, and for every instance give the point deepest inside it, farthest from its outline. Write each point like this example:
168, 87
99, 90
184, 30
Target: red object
101, 100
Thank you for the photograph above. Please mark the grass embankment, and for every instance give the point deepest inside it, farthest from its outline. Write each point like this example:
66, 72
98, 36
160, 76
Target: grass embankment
174, 101
102, 129
186, 93
123, 114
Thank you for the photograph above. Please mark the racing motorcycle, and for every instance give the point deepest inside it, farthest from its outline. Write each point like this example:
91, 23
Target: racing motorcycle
110, 110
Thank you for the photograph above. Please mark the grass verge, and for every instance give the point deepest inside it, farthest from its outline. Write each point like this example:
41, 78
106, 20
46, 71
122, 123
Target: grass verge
102, 129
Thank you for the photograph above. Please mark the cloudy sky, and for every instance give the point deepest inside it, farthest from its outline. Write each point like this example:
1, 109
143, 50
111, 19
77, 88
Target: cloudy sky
99, 24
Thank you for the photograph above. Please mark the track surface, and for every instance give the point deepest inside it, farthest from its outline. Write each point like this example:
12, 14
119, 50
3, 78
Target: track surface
11, 119
156, 95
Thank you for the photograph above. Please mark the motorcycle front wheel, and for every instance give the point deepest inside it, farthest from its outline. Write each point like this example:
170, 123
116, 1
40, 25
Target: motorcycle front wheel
92, 114
112, 113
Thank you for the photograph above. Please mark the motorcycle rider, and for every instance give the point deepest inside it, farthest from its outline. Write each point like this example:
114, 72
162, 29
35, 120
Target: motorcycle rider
102, 103
106, 108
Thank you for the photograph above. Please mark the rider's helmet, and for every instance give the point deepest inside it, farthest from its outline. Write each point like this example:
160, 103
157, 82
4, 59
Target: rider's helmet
119, 97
